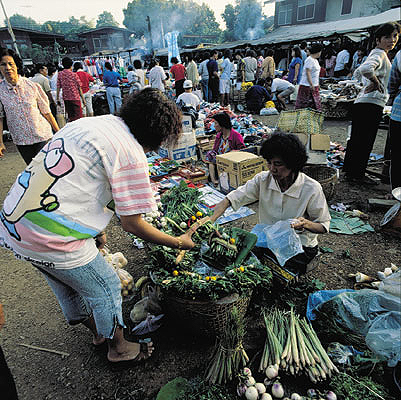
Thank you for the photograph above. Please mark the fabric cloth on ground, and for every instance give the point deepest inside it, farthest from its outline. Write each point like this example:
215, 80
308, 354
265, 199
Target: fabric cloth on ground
348, 224
304, 198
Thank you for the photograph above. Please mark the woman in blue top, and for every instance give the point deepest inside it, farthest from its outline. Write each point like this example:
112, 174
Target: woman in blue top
295, 67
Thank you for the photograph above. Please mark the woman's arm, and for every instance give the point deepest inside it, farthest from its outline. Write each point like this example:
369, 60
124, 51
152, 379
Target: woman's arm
297, 67
309, 78
52, 121
219, 209
138, 226
303, 223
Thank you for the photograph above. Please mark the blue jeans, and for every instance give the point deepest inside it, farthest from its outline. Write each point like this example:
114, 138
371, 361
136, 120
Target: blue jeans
205, 89
114, 99
91, 289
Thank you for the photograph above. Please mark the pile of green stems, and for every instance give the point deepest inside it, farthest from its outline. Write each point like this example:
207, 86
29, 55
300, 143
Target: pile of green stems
293, 345
229, 356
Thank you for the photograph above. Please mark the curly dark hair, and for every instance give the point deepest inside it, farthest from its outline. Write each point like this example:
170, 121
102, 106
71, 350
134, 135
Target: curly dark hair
17, 59
287, 147
152, 118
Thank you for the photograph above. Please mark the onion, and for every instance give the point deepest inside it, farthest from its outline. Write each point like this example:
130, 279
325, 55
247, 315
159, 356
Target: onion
271, 371
183, 225
296, 396
251, 393
388, 271
260, 387
241, 389
278, 390
246, 371
311, 393
331, 396
265, 396
250, 381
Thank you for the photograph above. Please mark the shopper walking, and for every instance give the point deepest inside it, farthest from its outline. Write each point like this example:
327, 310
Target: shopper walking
85, 78
178, 73
213, 77
204, 76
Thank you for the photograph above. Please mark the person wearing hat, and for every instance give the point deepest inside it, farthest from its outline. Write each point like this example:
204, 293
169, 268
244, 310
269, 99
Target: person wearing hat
188, 98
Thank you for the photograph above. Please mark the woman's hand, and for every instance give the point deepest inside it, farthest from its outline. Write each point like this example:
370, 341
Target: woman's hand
303, 223
374, 85
2, 149
186, 241
101, 240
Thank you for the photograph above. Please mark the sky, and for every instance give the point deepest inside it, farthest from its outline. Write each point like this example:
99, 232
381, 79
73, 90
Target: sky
44, 10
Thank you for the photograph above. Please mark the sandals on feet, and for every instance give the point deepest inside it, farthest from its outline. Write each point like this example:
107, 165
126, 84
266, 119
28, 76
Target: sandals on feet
143, 354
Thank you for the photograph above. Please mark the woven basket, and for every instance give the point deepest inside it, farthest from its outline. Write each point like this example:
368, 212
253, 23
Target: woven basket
205, 317
326, 176
305, 120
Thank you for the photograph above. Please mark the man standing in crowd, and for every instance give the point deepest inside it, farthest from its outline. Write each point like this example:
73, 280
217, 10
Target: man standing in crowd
72, 92
42, 79
110, 80
251, 65
178, 72
213, 77
225, 78
192, 71
204, 76
304, 54
85, 78
157, 76
342, 68
268, 65
240, 67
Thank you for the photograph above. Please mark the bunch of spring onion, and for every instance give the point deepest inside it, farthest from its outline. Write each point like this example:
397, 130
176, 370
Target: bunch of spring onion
229, 356
292, 345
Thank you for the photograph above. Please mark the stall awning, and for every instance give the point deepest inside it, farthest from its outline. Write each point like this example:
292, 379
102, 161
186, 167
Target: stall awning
297, 33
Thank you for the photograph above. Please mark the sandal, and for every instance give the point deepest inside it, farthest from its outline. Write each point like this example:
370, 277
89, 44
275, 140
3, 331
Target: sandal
143, 355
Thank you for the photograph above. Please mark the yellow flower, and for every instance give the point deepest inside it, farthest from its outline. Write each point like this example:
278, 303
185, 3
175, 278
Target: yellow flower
175, 272
193, 218
199, 214
242, 269
232, 241
207, 278
213, 278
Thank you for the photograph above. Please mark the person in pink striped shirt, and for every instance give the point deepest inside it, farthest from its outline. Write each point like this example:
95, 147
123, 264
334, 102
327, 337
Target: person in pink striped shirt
66, 197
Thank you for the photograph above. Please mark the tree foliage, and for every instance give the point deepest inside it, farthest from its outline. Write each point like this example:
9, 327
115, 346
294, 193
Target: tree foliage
244, 21
106, 19
19, 21
185, 16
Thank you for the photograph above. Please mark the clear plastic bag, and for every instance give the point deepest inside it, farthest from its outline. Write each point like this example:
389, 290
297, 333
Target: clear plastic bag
374, 314
283, 241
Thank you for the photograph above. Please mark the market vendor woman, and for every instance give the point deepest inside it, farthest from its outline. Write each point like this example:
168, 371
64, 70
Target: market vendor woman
65, 198
227, 139
284, 192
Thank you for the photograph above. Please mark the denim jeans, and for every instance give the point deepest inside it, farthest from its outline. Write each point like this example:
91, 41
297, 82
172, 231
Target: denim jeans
205, 89
91, 289
114, 99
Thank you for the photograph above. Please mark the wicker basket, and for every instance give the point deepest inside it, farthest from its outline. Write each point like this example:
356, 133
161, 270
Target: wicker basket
205, 317
326, 176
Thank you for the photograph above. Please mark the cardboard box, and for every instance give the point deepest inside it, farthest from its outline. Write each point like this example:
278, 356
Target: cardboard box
320, 142
186, 123
205, 143
237, 167
185, 149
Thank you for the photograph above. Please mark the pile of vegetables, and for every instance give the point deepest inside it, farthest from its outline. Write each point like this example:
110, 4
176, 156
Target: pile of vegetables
229, 356
292, 345
177, 272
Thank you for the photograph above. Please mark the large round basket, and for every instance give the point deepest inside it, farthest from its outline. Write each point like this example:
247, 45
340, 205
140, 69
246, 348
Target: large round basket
326, 176
205, 317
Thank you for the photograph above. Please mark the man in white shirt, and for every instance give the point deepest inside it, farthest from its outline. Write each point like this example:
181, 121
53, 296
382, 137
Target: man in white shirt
157, 76
281, 88
188, 98
341, 68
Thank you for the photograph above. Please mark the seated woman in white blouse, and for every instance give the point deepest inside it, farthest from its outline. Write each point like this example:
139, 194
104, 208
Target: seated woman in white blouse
284, 192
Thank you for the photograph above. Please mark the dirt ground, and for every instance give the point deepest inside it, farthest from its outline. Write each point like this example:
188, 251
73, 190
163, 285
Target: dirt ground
33, 316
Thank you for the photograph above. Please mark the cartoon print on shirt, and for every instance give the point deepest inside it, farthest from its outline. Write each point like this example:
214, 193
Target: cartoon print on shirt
31, 191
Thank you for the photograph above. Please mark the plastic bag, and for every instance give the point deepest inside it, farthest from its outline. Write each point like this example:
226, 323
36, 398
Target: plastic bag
258, 231
269, 111
374, 314
149, 325
392, 284
341, 354
283, 241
